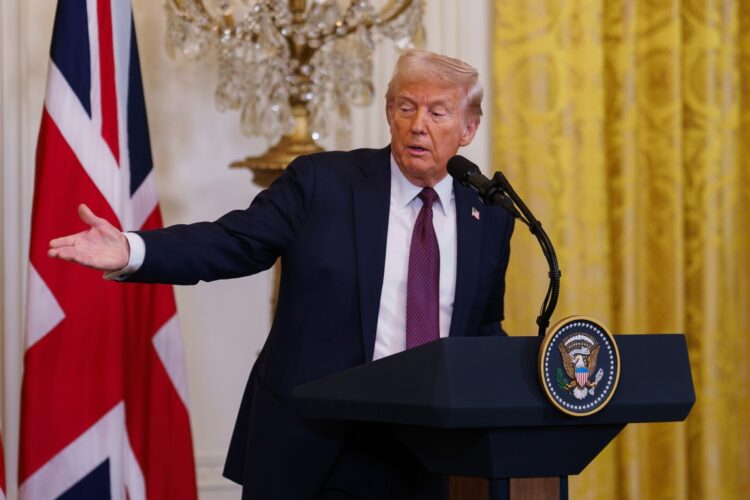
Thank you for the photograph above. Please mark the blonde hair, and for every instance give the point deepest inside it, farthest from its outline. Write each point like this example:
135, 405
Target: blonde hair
422, 65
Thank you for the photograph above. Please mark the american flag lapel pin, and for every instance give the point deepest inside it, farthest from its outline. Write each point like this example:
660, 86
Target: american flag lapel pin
475, 213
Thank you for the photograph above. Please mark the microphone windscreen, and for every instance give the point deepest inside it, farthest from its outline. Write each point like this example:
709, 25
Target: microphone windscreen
460, 168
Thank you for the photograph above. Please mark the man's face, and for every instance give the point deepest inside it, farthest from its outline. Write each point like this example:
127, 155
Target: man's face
427, 127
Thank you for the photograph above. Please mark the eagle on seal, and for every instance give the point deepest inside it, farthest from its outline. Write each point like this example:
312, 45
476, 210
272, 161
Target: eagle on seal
579, 353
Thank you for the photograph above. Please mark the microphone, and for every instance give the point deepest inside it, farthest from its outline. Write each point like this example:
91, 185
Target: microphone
469, 175
498, 191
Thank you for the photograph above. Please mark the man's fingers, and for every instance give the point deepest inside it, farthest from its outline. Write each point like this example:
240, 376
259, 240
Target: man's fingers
64, 253
63, 241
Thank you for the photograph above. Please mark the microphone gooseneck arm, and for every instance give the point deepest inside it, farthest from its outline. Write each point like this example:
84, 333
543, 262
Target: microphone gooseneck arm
498, 191
553, 290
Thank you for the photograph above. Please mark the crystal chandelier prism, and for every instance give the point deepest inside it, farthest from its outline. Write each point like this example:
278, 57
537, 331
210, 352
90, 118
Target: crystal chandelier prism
290, 68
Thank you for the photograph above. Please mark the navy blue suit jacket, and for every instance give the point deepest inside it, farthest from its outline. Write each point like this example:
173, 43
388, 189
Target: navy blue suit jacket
326, 217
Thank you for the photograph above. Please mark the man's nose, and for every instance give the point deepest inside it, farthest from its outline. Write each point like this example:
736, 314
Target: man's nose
418, 123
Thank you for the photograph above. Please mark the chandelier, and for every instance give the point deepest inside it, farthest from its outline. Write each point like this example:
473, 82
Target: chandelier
291, 70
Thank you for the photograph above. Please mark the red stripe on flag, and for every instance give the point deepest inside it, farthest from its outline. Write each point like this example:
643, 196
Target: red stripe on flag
107, 73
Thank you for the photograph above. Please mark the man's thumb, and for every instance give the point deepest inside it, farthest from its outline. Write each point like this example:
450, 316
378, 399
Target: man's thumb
88, 216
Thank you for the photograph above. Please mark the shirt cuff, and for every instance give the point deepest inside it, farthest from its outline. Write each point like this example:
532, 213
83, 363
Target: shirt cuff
135, 260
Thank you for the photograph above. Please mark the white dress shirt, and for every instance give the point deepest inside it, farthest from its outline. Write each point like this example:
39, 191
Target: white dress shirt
390, 336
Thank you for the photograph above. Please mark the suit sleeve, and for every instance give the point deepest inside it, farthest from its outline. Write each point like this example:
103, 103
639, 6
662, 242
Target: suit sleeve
494, 311
240, 243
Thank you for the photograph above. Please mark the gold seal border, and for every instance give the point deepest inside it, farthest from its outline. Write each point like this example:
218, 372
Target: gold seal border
543, 349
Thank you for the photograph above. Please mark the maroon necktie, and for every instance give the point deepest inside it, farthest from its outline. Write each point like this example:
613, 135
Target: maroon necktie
423, 282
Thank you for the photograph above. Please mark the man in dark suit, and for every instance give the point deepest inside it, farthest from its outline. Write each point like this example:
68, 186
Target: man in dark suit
380, 251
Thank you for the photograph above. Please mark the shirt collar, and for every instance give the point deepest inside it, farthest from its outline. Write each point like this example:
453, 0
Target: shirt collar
404, 192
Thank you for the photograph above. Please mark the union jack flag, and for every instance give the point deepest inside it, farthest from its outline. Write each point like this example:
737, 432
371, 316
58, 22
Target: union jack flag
104, 401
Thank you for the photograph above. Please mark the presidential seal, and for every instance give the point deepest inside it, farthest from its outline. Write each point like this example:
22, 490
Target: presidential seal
579, 366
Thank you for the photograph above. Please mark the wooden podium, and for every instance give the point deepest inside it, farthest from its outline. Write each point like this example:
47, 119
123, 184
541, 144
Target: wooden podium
473, 407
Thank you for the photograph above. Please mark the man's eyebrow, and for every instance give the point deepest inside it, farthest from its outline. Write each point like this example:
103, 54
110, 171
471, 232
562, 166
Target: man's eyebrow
405, 98
441, 102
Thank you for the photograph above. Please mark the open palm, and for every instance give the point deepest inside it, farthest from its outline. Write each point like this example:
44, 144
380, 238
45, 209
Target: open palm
102, 246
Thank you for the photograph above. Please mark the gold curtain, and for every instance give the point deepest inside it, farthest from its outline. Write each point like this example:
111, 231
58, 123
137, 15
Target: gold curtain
626, 126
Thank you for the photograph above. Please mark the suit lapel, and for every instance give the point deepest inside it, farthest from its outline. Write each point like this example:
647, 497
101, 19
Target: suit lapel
371, 198
469, 233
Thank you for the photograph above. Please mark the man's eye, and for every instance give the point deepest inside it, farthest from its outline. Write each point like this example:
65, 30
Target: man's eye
406, 109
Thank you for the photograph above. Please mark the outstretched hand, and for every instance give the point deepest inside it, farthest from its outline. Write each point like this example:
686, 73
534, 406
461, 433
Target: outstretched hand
102, 246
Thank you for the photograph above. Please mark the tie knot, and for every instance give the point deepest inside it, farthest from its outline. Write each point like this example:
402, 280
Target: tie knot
428, 196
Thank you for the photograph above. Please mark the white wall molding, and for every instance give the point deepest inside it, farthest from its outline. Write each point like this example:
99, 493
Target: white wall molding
15, 202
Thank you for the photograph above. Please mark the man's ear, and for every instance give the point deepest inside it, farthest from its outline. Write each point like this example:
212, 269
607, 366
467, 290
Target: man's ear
470, 130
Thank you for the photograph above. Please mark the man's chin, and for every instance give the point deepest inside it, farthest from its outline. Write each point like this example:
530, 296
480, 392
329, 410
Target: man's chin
419, 165
422, 175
